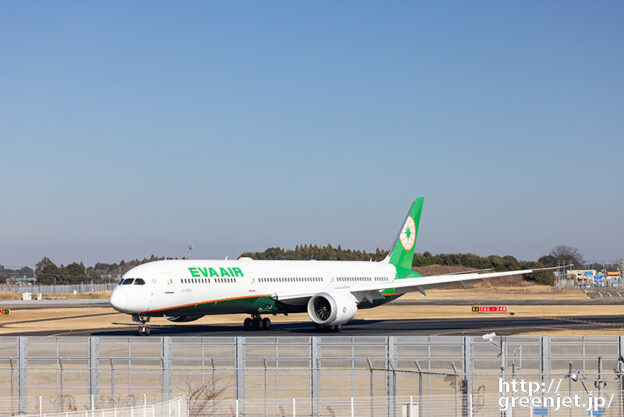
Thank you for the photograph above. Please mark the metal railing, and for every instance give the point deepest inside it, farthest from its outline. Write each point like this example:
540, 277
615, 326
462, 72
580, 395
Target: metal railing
177, 407
81, 373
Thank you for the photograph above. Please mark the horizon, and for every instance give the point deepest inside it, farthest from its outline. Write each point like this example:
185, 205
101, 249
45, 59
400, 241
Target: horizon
132, 129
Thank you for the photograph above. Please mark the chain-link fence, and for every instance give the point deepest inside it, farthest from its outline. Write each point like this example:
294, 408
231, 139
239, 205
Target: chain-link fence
464, 373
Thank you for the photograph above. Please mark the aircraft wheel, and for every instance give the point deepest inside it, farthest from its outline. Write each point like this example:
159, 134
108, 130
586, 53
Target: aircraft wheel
247, 324
256, 323
140, 331
266, 323
147, 331
337, 328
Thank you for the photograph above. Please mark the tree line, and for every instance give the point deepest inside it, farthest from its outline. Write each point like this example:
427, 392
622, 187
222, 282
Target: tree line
330, 253
48, 273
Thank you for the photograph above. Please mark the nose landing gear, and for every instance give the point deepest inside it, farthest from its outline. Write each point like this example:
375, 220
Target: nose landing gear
144, 329
257, 323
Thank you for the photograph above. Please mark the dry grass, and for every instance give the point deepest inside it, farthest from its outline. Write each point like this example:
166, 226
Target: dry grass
533, 292
10, 295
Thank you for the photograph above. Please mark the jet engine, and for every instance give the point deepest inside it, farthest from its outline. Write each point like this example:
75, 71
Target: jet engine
332, 308
181, 319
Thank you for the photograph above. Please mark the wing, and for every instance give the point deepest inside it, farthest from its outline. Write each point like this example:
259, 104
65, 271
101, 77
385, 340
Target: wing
402, 285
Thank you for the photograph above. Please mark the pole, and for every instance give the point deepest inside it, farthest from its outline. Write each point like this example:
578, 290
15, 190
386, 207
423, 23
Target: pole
370, 367
294, 408
621, 380
265, 389
214, 405
12, 375
456, 389
112, 366
352, 408
420, 389
503, 365
61, 384
570, 384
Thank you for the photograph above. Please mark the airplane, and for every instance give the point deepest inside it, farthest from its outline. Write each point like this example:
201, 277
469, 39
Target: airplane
331, 292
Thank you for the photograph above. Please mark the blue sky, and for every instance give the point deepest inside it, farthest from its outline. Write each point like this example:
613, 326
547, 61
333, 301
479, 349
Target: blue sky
130, 129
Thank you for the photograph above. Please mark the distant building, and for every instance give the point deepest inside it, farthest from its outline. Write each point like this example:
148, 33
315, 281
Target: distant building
581, 274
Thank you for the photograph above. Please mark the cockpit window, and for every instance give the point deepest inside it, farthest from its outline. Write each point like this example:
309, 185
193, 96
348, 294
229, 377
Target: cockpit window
127, 281
139, 281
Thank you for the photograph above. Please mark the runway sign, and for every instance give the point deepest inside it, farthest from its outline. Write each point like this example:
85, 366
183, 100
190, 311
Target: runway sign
488, 309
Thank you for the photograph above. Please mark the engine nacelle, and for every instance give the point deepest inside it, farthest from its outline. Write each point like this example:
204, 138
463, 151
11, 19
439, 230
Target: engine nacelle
181, 319
331, 308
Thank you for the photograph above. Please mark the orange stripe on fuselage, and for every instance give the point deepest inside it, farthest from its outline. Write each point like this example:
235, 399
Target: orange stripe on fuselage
205, 302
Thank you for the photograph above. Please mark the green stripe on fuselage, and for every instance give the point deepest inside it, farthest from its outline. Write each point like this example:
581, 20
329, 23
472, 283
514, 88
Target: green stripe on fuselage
250, 305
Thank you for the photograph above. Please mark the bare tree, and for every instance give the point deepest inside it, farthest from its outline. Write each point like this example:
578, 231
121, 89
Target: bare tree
66, 403
567, 254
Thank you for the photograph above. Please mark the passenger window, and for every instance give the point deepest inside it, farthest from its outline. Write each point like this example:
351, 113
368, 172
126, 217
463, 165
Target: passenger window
139, 281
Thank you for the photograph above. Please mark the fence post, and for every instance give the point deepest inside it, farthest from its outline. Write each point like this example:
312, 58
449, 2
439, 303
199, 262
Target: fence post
22, 394
370, 385
240, 374
467, 381
165, 382
620, 367
545, 360
112, 377
93, 367
352, 408
314, 375
391, 374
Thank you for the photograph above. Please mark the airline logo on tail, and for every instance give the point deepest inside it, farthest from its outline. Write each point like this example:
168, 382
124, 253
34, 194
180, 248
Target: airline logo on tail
408, 234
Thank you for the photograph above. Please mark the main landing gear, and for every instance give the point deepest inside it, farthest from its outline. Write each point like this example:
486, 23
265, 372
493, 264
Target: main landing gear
332, 328
144, 329
255, 322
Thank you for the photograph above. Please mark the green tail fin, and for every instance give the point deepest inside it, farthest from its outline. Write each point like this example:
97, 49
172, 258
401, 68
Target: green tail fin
403, 253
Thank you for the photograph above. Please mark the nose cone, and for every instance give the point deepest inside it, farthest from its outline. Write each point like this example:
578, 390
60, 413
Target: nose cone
119, 300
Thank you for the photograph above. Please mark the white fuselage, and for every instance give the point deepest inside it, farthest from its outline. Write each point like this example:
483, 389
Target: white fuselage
245, 286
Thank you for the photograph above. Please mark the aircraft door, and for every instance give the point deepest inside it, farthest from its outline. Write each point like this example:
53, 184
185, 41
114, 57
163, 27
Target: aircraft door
251, 282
